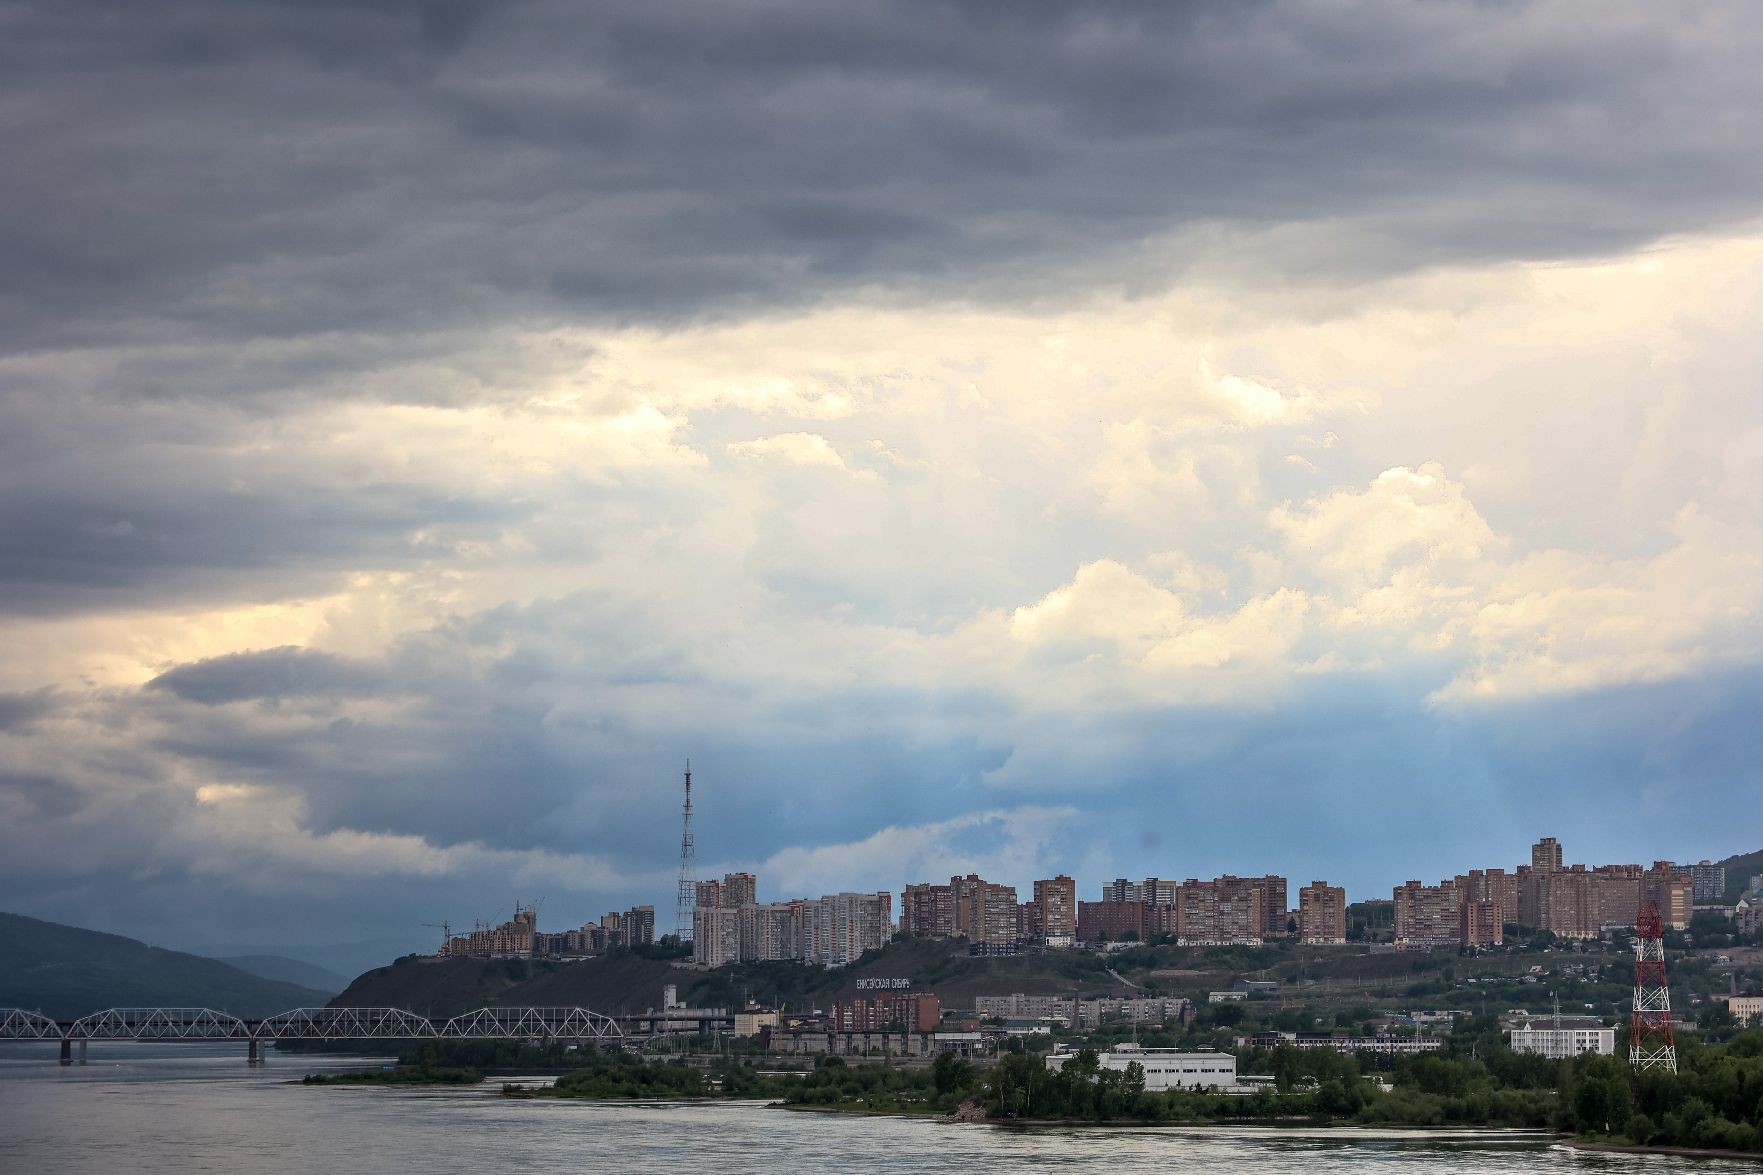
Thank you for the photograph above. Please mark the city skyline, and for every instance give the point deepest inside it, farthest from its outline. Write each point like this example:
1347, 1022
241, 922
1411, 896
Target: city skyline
1009, 440
731, 921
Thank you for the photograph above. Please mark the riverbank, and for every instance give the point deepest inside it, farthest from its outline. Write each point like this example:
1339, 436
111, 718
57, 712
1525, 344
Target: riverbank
965, 1116
1692, 1152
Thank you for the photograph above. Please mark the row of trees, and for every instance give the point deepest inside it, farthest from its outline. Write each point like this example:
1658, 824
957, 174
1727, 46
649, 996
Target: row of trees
1714, 1101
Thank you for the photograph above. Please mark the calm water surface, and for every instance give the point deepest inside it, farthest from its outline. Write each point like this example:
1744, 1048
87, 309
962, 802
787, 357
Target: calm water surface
148, 1108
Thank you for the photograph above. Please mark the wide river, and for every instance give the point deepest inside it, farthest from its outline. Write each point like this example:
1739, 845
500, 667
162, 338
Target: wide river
159, 1108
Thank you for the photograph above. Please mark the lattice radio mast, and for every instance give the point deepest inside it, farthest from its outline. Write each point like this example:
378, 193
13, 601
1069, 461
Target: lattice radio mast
1651, 1042
688, 888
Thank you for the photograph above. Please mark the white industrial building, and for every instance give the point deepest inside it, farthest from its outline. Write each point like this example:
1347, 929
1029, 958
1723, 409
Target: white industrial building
1164, 1068
1558, 1037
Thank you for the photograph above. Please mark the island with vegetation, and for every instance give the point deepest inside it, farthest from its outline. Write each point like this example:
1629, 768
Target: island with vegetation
398, 1075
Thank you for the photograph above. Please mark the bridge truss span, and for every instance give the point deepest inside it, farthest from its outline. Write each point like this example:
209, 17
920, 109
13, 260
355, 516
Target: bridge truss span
18, 1024
159, 1024
532, 1024
579, 1025
345, 1024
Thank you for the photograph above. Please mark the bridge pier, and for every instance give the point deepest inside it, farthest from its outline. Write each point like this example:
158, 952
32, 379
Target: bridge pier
255, 1056
66, 1051
83, 1051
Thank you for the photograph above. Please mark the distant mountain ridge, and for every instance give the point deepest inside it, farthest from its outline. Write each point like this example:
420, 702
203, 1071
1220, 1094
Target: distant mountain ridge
66, 972
343, 959
286, 970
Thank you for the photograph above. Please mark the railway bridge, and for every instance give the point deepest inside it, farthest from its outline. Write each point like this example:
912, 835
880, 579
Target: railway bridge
578, 1025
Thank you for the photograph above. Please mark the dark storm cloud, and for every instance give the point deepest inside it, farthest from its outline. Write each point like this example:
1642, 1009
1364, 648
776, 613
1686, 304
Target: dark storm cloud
186, 535
39, 797
62, 554
244, 169
18, 710
102, 502
270, 674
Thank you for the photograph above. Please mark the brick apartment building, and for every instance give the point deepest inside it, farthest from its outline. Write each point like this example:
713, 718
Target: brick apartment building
915, 1011
1056, 903
1322, 914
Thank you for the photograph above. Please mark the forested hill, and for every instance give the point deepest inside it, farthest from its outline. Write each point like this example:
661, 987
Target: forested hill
1740, 868
66, 972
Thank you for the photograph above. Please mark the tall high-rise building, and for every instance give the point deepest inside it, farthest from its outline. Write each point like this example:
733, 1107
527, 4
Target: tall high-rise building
1226, 909
1158, 891
716, 935
985, 912
1574, 901
1056, 899
770, 932
1672, 889
1322, 914
837, 928
1427, 916
928, 910
1480, 924
1276, 917
1708, 882
639, 926
1490, 885
739, 889
733, 891
1122, 890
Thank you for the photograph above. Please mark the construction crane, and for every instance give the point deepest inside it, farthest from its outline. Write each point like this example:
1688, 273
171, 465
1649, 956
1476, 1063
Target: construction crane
446, 929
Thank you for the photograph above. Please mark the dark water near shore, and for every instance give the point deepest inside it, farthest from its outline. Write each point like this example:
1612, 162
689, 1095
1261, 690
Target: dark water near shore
156, 1108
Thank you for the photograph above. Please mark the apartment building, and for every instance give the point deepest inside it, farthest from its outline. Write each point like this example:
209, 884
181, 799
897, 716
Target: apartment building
1490, 885
1276, 916
836, 929
716, 936
1707, 882
1322, 914
733, 891
1056, 903
1480, 924
1110, 921
1427, 916
771, 932
1225, 910
928, 910
985, 912
915, 1011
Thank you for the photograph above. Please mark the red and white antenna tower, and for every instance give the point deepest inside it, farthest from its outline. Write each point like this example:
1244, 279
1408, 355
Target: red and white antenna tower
688, 888
1651, 1043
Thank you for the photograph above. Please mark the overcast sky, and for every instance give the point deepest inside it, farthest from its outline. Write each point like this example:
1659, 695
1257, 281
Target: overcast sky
1170, 439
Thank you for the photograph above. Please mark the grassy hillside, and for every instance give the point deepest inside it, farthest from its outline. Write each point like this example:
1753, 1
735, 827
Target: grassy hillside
625, 983
66, 972
1346, 977
446, 987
